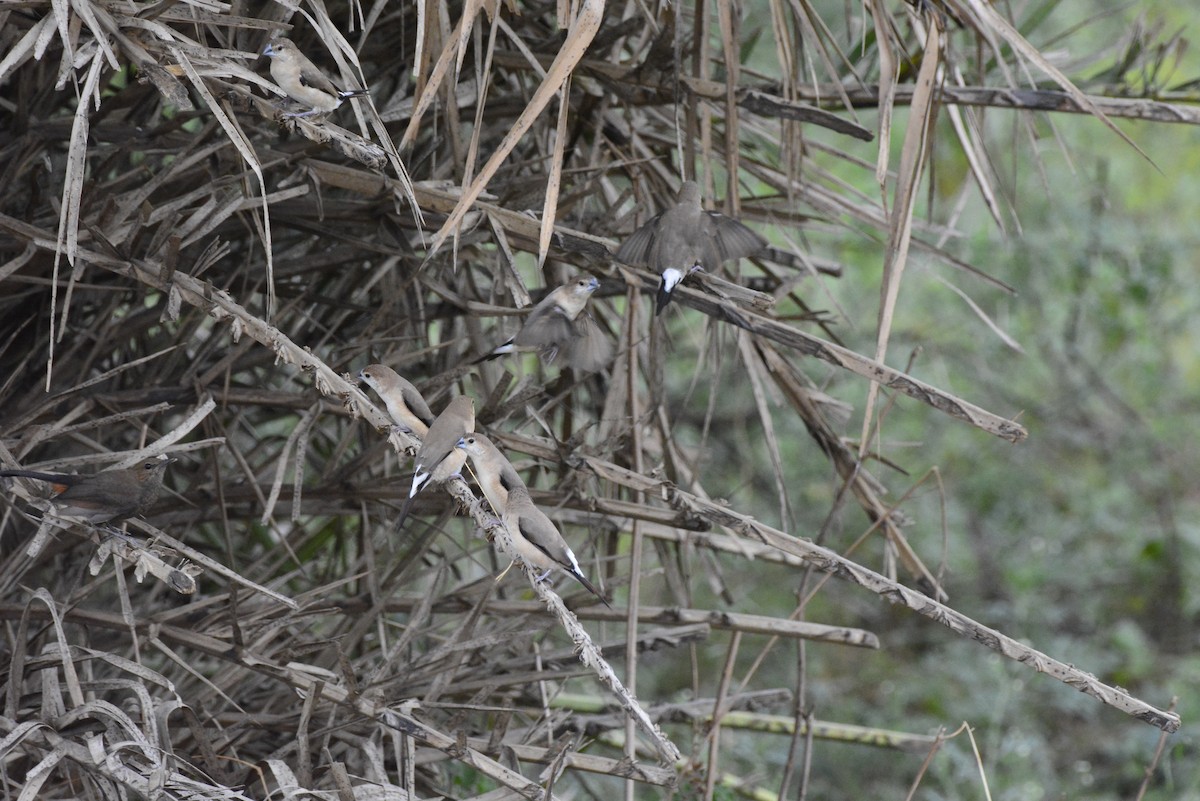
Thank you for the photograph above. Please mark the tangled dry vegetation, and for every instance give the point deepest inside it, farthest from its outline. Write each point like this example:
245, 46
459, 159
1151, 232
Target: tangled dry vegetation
185, 271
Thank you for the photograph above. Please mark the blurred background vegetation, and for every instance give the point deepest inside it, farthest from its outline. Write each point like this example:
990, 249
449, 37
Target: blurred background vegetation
1082, 540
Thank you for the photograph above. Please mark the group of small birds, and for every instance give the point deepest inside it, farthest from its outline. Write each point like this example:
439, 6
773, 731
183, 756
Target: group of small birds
447, 441
675, 243
678, 241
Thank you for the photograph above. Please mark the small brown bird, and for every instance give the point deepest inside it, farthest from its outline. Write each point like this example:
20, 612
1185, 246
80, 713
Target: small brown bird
404, 403
107, 497
493, 471
303, 81
537, 539
560, 324
685, 238
439, 459
533, 534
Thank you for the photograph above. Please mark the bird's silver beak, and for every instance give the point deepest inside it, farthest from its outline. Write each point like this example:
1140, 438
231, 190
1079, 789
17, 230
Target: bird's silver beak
269, 51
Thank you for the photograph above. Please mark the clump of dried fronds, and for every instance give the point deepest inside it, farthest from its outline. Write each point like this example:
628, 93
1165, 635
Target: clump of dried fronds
178, 258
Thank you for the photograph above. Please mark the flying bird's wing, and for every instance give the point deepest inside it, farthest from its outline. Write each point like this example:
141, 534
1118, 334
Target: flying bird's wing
731, 239
551, 326
635, 250
590, 350
545, 331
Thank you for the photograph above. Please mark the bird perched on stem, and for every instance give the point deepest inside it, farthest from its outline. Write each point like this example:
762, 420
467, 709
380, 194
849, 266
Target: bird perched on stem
536, 539
302, 81
533, 534
404, 403
685, 238
493, 471
561, 324
439, 459
107, 497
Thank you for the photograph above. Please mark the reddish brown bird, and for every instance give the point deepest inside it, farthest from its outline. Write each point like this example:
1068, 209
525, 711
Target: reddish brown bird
108, 497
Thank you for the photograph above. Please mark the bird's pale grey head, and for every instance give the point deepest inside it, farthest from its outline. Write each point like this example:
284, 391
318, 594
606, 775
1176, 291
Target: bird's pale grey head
473, 444
689, 193
279, 47
585, 285
375, 375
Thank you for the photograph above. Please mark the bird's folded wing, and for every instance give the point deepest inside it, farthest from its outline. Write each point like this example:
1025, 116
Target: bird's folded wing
417, 405
314, 78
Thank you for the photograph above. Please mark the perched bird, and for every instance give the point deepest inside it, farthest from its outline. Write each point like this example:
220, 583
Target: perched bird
536, 538
560, 324
493, 471
685, 238
302, 81
439, 458
533, 534
107, 497
405, 405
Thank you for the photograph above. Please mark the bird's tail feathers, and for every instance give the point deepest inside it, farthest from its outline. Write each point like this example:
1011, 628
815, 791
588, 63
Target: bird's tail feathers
502, 350
404, 512
57, 481
577, 573
590, 587
55, 478
670, 279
